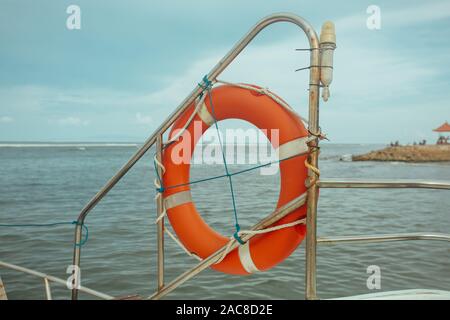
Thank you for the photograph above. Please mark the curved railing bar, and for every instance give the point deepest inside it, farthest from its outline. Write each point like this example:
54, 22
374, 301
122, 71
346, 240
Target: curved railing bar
384, 238
212, 75
50, 278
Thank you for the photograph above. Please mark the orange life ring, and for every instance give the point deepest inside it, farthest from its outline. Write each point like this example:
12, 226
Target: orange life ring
263, 251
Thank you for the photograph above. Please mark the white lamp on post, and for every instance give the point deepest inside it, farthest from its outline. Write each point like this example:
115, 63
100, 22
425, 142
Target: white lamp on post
327, 46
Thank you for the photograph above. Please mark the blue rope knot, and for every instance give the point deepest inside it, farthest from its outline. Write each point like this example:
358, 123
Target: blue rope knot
160, 189
86, 237
236, 234
206, 83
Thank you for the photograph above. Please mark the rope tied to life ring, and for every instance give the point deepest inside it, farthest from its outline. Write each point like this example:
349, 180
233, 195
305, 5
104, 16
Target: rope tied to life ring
206, 86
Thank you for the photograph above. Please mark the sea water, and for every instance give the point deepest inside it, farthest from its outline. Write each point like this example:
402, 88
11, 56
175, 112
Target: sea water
44, 183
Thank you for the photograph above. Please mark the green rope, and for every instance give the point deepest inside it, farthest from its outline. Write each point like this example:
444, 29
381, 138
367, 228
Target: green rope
53, 224
195, 182
207, 86
224, 175
263, 165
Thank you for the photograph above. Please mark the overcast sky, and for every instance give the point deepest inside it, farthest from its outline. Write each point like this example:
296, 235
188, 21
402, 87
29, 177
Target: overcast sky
132, 62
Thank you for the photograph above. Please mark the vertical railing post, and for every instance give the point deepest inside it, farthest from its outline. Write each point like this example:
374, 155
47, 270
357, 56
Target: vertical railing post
321, 72
311, 218
160, 223
76, 258
48, 290
3, 295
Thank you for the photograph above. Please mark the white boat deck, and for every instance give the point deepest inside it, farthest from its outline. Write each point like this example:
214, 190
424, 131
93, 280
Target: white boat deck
411, 294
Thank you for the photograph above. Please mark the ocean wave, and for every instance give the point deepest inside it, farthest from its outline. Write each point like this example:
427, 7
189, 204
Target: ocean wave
337, 157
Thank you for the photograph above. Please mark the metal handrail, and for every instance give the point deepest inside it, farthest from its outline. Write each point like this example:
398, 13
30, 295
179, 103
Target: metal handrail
313, 126
384, 238
312, 193
383, 183
350, 183
48, 278
275, 216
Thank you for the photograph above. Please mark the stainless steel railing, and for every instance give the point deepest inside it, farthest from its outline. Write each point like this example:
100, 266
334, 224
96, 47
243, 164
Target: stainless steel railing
311, 294
280, 213
384, 238
383, 184
156, 138
47, 279
311, 199
312, 194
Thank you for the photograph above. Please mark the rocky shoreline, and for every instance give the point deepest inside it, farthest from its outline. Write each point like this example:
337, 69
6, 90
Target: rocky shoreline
418, 153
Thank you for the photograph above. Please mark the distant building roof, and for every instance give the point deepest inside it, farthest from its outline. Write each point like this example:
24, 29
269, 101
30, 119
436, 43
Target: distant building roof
444, 128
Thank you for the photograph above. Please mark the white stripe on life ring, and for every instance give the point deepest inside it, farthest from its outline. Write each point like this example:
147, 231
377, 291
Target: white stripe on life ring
246, 258
204, 114
293, 148
177, 199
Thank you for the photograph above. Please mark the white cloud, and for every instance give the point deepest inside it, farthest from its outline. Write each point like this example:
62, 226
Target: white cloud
371, 74
6, 119
368, 76
72, 121
371, 80
428, 11
143, 119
